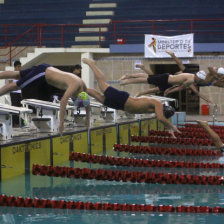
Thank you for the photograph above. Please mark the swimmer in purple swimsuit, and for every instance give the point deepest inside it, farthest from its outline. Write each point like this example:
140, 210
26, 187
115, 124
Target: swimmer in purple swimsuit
121, 100
37, 75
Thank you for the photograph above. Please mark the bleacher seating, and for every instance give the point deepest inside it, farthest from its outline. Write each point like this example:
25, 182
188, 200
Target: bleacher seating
74, 11
205, 32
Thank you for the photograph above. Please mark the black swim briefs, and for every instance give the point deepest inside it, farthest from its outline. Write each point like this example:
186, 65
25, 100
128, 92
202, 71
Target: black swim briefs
115, 98
159, 80
32, 76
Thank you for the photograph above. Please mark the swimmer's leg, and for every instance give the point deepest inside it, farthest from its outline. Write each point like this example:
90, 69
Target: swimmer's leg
102, 83
214, 136
8, 88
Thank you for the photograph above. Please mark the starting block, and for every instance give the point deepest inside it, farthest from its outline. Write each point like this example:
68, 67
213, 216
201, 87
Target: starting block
109, 114
98, 110
47, 114
6, 111
79, 113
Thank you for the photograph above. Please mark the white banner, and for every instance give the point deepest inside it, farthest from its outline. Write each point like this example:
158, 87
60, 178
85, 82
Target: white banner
156, 46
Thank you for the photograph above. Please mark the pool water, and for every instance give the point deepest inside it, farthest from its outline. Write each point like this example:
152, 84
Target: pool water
57, 188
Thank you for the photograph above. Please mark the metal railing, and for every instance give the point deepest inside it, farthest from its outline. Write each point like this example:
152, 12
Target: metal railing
132, 31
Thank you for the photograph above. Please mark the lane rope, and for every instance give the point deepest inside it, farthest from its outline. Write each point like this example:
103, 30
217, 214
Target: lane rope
133, 162
13, 201
165, 151
167, 140
126, 176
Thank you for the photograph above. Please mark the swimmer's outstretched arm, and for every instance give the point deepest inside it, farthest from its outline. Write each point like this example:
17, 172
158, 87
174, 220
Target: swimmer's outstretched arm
213, 72
64, 100
159, 114
173, 89
177, 60
214, 136
194, 89
149, 91
218, 83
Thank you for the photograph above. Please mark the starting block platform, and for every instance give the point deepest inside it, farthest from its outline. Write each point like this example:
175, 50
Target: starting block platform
6, 112
47, 114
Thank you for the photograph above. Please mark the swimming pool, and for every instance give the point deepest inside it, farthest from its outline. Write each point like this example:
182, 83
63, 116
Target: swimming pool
58, 188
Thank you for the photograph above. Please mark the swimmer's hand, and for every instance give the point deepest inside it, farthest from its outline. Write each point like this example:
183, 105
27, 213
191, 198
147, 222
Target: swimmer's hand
176, 130
166, 92
172, 133
171, 53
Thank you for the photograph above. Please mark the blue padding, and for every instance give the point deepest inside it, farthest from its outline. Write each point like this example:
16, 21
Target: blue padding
139, 48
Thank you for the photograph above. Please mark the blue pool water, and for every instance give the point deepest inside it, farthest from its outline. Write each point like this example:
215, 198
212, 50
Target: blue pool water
58, 188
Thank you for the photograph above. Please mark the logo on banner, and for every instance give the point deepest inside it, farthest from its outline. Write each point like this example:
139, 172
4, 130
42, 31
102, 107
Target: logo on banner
153, 44
181, 45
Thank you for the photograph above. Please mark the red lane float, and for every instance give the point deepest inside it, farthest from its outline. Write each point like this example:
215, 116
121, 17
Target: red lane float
167, 140
199, 129
165, 151
12, 201
126, 176
119, 161
184, 134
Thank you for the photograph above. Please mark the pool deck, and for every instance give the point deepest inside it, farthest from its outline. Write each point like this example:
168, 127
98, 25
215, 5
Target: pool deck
191, 118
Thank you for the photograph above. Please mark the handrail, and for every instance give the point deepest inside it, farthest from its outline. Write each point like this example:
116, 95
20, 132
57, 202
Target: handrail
165, 20
12, 36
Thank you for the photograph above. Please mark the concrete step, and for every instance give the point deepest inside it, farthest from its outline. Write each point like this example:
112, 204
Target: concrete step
85, 46
103, 5
96, 21
89, 38
92, 29
99, 13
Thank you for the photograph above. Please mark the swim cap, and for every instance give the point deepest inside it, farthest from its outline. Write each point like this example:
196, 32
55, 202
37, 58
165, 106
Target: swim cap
220, 70
168, 111
201, 75
82, 100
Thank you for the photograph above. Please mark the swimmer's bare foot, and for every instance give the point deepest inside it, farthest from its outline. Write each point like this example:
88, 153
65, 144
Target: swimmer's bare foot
88, 61
123, 82
139, 66
202, 123
124, 77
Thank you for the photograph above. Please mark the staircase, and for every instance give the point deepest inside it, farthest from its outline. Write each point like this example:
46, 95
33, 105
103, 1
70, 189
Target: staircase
95, 24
